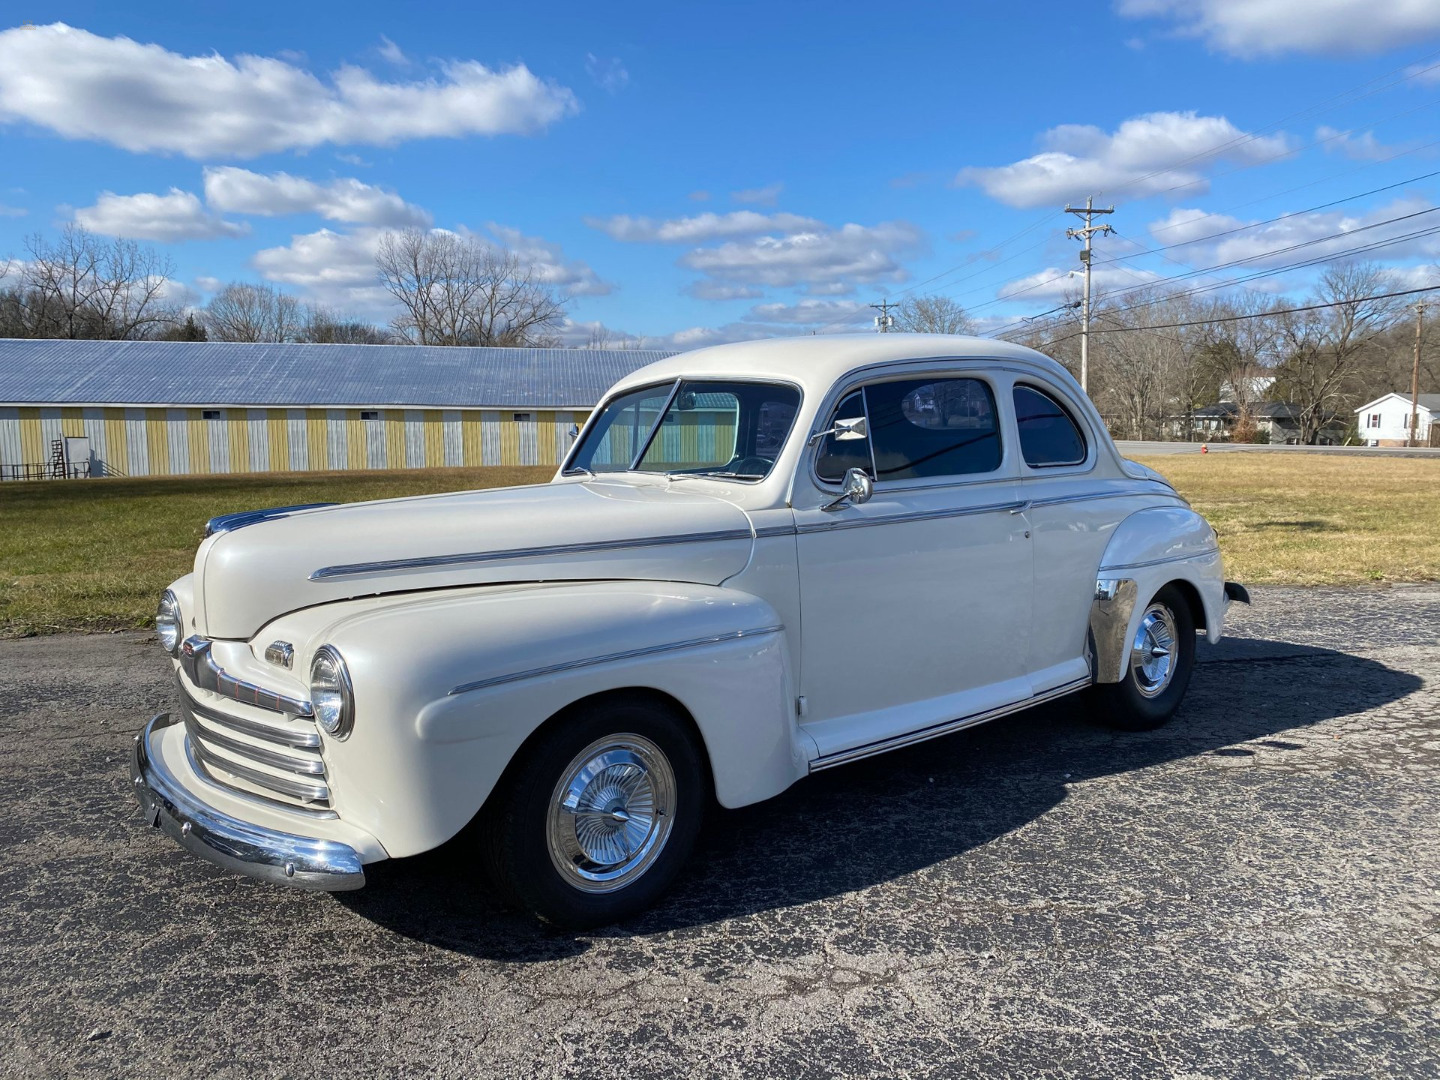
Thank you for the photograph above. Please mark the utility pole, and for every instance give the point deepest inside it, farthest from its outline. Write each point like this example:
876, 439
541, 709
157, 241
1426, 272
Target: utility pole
884, 322
1084, 234
1414, 434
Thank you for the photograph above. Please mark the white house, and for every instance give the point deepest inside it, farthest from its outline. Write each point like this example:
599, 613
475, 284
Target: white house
1386, 421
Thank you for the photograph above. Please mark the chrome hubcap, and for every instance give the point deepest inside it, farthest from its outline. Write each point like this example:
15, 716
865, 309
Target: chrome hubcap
611, 813
1152, 654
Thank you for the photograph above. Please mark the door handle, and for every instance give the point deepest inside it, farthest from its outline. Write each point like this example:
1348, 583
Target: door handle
1021, 507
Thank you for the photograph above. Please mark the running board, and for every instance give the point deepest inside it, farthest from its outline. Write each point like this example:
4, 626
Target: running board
844, 757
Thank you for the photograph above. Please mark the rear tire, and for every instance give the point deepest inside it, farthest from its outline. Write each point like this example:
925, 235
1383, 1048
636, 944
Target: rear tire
596, 819
1157, 669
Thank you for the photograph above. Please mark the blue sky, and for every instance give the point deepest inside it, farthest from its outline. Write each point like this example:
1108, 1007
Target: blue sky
694, 173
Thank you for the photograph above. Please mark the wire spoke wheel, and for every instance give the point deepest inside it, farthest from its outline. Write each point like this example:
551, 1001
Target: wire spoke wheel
1153, 652
611, 813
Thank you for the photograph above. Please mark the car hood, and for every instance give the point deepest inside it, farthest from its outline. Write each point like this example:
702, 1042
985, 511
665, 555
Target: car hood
599, 529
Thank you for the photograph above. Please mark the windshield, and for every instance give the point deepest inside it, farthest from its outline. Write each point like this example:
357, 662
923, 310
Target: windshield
697, 427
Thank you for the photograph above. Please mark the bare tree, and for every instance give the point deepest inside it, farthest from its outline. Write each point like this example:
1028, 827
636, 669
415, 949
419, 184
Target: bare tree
244, 311
458, 290
933, 314
1324, 348
323, 326
1237, 348
79, 286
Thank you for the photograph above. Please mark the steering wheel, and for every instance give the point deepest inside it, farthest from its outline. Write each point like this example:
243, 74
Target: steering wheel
752, 464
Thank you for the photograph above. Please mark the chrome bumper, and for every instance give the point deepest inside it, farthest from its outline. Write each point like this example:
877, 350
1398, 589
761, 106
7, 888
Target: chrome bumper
239, 846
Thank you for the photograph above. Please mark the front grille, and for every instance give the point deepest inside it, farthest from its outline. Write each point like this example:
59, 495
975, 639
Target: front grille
275, 759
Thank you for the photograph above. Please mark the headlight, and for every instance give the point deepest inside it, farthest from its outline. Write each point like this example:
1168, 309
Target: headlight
170, 623
330, 692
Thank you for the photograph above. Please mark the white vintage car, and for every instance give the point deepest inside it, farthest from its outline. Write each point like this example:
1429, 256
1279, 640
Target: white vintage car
757, 561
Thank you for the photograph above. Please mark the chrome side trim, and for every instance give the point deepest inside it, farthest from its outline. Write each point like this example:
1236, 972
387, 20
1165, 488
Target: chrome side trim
428, 562
203, 671
914, 515
241, 847
309, 791
844, 757
230, 522
774, 530
300, 739
608, 658
1160, 562
1110, 613
1090, 496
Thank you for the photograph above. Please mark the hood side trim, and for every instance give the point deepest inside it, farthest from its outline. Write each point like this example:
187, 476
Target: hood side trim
469, 558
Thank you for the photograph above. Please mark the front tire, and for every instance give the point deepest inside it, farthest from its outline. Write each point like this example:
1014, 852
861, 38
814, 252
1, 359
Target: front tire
600, 813
1158, 669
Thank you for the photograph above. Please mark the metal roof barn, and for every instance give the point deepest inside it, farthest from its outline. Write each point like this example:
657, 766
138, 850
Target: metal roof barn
153, 408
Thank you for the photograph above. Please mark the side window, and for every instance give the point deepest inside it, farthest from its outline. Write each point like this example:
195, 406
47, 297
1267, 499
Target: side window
1048, 434
933, 427
838, 456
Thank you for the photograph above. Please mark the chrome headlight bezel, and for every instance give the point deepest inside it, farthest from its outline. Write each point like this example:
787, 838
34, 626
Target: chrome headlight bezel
332, 695
170, 623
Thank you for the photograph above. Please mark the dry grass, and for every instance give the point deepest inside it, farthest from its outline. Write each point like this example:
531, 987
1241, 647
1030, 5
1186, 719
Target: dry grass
1313, 519
95, 555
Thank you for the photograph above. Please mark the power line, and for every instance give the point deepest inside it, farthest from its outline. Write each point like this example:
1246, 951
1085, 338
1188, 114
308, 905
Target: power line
1251, 315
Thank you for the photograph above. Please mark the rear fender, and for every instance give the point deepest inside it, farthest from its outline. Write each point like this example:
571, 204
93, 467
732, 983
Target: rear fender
1150, 549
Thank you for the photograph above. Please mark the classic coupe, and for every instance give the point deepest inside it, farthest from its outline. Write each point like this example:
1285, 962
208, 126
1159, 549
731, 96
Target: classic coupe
757, 561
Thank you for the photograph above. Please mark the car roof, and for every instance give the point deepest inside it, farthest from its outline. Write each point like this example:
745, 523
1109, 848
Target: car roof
816, 363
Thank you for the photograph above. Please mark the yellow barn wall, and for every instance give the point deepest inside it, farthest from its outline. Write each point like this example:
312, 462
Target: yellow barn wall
434, 430
117, 446
277, 429
239, 440
394, 438
157, 442
316, 448
32, 440
470, 437
354, 439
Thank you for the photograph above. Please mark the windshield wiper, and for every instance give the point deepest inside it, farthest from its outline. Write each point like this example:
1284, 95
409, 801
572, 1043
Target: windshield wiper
576, 470
722, 473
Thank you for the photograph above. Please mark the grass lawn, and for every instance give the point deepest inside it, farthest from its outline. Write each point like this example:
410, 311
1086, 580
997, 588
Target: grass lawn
95, 556
1315, 519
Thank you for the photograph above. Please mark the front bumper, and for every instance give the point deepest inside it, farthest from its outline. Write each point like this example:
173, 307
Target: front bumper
303, 862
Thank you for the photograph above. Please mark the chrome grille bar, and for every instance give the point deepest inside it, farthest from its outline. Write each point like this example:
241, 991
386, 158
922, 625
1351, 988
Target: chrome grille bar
294, 735
273, 758
303, 790
204, 671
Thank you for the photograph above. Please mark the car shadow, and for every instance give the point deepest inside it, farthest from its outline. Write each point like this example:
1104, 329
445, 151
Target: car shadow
885, 817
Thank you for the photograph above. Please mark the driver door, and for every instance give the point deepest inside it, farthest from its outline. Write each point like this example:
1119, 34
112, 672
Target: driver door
915, 604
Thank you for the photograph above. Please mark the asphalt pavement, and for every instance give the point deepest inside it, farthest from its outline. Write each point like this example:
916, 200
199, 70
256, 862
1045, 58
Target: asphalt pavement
1251, 891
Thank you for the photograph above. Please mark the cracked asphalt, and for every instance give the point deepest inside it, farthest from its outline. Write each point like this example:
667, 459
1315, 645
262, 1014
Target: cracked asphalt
1251, 891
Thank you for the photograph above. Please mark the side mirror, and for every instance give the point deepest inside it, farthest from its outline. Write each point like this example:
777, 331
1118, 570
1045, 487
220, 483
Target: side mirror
574, 432
843, 430
856, 488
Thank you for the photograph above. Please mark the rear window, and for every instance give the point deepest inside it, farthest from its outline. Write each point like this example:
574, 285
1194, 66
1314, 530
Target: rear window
1049, 435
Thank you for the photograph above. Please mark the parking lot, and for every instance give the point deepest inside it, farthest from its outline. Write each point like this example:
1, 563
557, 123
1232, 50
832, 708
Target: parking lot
1250, 891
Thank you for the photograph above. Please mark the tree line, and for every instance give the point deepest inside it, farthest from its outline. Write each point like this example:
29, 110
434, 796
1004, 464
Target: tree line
449, 290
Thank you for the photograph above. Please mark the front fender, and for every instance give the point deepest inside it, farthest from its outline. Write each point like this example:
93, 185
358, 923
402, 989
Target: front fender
449, 686
1150, 549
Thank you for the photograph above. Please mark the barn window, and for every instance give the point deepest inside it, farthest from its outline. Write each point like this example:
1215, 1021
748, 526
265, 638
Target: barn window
369, 414
522, 417
209, 414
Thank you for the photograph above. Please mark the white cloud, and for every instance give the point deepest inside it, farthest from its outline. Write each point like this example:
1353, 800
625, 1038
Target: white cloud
165, 218
706, 289
1162, 148
854, 253
608, 74
1269, 27
241, 191
146, 98
1052, 283
1363, 146
551, 266
1263, 244
332, 268
12, 211
808, 313
700, 196
392, 53
761, 196
700, 228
